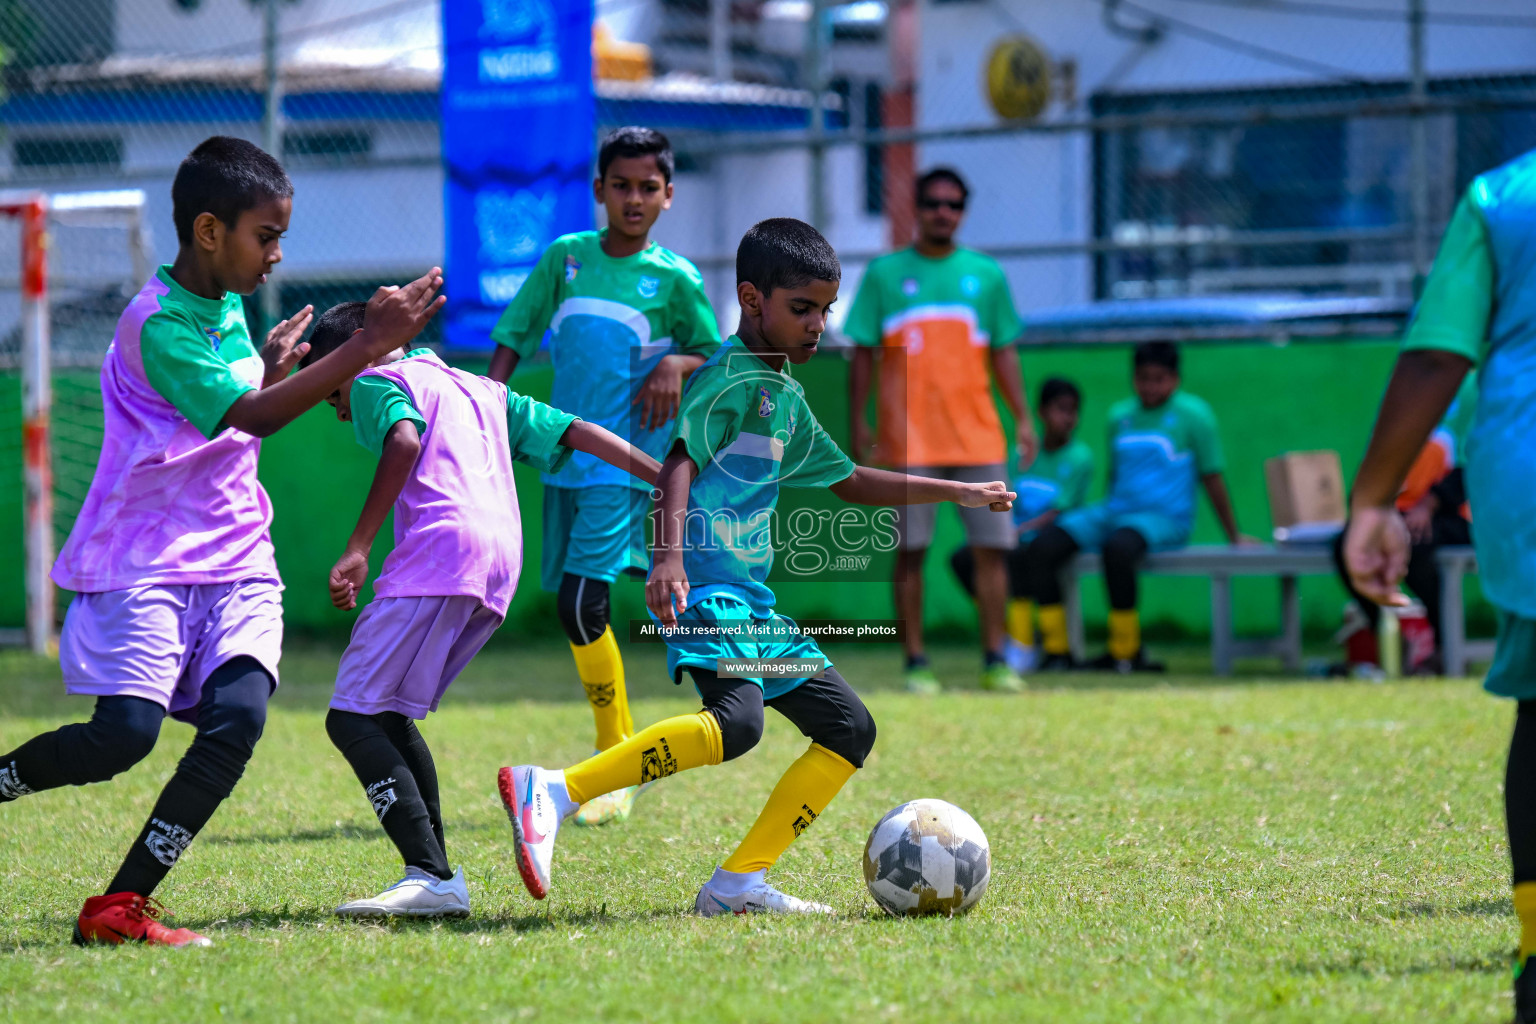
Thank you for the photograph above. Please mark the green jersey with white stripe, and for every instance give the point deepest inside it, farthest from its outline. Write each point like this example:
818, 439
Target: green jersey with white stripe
610, 321
747, 428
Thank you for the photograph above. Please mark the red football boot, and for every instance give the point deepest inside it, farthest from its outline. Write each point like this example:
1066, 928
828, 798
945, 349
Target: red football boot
128, 917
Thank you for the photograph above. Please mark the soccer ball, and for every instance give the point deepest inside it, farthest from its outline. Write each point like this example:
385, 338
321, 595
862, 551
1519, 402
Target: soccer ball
927, 857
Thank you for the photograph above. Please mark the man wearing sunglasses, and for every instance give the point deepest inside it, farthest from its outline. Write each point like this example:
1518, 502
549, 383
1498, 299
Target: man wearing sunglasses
942, 320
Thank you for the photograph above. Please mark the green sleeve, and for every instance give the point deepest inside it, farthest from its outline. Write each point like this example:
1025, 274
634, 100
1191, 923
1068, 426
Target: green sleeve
710, 417
181, 364
1205, 439
813, 459
378, 403
526, 318
1074, 490
534, 431
693, 325
1453, 312
864, 325
1003, 325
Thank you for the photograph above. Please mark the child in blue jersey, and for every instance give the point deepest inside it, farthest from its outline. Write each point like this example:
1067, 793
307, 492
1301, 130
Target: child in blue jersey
627, 320
1163, 442
744, 431
1054, 484
1478, 309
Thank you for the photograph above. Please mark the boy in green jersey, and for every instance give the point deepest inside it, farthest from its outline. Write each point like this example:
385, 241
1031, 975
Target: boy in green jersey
628, 320
743, 432
1055, 483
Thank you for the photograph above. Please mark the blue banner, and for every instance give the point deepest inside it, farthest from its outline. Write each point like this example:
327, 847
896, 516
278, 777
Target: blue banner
517, 107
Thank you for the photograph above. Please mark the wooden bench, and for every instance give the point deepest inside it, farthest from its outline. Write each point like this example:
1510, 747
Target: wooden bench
1222, 563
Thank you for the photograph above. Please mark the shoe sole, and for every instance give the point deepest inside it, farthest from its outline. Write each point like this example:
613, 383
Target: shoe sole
380, 913
536, 889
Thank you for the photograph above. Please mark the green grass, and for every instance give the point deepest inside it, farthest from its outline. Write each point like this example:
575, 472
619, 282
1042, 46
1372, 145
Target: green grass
1182, 850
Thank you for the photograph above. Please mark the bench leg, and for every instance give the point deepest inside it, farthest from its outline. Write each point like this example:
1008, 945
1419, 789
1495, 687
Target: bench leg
1072, 597
1290, 624
1221, 625
1453, 622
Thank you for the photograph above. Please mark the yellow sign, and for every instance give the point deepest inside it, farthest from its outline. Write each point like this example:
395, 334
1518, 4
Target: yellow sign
1018, 78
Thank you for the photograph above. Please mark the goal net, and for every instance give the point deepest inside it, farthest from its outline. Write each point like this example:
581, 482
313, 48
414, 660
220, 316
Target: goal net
68, 264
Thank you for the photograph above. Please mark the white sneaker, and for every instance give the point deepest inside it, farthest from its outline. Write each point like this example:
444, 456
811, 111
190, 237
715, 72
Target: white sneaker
535, 819
760, 898
415, 896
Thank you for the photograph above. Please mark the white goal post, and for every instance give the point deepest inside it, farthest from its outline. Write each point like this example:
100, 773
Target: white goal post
41, 217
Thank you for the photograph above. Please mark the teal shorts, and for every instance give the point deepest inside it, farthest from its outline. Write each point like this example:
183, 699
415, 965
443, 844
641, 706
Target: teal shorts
1513, 672
594, 532
740, 635
1092, 524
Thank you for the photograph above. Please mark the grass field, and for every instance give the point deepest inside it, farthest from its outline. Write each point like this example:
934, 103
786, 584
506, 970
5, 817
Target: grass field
1172, 851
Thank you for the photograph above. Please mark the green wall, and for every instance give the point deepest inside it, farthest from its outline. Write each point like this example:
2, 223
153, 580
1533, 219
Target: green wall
1269, 399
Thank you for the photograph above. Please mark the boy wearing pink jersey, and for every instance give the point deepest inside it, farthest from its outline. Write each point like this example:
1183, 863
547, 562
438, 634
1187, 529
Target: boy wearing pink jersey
177, 606
446, 440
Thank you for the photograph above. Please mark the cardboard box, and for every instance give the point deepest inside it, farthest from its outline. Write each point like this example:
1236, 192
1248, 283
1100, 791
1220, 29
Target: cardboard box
1305, 488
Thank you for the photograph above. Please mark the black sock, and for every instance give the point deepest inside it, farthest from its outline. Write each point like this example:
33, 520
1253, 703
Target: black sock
1520, 794
916, 661
391, 786
230, 719
407, 739
121, 732
991, 658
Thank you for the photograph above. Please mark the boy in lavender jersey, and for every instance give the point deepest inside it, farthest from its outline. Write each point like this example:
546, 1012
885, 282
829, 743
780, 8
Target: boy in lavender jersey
446, 440
178, 605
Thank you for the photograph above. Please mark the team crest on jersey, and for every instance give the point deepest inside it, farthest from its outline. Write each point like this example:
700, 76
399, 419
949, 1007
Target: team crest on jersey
216, 336
909, 287
649, 286
572, 265
970, 284
764, 403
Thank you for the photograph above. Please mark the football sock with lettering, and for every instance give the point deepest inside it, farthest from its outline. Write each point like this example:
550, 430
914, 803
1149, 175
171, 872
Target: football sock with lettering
671, 745
1053, 629
799, 799
1124, 633
1021, 621
391, 787
601, 670
407, 739
120, 734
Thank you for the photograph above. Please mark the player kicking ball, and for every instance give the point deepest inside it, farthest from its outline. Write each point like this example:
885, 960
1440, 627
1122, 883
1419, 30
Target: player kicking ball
178, 605
743, 430
445, 440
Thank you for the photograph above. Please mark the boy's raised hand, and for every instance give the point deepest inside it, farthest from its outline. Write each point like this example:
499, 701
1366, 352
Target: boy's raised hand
282, 350
347, 577
995, 495
397, 314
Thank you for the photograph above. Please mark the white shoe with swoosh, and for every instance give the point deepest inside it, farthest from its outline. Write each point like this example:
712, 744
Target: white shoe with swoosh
535, 821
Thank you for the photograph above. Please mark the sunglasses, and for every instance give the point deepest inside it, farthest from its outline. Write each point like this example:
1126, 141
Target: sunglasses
957, 205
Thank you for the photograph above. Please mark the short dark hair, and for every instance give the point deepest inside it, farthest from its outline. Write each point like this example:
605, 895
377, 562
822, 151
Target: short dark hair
334, 327
1157, 353
948, 174
783, 252
224, 176
1058, 387
635, 140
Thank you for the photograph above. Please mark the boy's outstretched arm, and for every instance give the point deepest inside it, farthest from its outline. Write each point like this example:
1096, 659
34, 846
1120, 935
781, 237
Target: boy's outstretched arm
667, 581
1423, 385
611, 448
402, 446
1221, 503
395, 315
868, 486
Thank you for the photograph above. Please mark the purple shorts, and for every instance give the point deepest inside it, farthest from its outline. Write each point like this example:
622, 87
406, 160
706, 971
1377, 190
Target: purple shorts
162, 641
406, 650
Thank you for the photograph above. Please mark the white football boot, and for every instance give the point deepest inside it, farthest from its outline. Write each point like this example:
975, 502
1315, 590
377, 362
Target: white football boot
757, 899
535, 818
415, 895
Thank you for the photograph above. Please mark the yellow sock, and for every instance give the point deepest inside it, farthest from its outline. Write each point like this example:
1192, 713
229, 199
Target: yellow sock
602, 675
671, 745
799, 798
1124, 634
1525, 909
1021, 621
1053, 629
